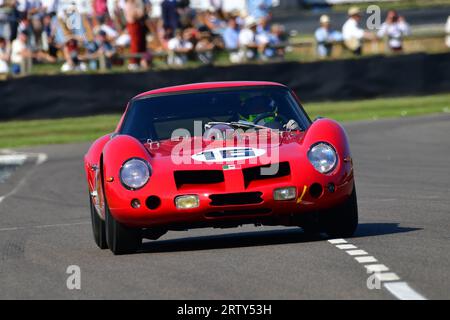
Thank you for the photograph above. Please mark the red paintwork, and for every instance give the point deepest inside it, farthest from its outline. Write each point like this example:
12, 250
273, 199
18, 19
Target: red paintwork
209, 85
293, 148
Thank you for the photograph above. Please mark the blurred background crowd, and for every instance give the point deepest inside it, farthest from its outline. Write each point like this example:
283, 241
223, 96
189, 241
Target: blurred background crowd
82, 35
82, 31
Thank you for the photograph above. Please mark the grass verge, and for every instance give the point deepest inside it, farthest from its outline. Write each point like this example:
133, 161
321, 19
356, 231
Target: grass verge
69, 130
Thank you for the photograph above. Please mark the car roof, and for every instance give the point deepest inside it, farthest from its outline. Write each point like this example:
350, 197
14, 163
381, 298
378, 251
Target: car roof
208, 85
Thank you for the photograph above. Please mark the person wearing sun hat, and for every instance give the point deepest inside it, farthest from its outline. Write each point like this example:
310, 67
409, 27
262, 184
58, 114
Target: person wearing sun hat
325, 37
247, 38
352, 33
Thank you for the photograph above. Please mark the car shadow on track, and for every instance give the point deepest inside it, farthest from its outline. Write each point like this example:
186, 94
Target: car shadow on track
379, 229
261, 238
231, 240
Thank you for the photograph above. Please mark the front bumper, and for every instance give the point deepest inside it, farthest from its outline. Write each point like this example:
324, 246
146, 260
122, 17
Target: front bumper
208, 212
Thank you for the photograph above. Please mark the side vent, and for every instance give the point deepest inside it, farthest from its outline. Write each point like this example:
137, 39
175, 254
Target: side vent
255, 173
198, 177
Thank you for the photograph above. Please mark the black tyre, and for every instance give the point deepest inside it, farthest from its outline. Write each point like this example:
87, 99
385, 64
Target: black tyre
311, 224
121, 239
342, 221
98, 227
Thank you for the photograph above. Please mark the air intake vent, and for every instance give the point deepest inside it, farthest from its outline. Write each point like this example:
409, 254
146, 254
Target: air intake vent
198, 177
230, 199
255, 173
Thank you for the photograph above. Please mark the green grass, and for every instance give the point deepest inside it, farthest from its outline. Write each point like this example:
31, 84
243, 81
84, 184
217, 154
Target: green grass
40, 132
380, 108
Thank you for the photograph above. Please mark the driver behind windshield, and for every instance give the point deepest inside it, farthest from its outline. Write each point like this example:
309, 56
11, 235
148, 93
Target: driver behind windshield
261, 110
157, 117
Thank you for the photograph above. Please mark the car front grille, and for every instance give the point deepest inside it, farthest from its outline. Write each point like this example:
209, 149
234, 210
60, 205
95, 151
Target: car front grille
230, 199
187, 177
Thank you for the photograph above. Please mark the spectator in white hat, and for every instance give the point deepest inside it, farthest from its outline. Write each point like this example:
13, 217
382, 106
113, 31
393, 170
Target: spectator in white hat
352, 33
247, 38
325, 37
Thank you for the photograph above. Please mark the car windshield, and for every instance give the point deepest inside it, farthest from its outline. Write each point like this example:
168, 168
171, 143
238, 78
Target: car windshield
157, 117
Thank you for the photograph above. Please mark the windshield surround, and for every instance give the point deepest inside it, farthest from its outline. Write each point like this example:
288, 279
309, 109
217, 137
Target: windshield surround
153, 108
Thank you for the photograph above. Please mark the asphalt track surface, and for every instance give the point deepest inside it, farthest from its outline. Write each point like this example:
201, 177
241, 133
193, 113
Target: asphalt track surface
403, 183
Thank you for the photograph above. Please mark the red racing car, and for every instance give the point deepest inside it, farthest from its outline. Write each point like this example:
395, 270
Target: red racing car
218, 155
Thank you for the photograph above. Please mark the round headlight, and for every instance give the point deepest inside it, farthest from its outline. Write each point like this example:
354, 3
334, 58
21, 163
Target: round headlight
135, 173
323, 157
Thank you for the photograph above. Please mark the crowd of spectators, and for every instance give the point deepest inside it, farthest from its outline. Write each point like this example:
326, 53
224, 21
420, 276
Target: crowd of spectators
394, 29
89, 34
82, 35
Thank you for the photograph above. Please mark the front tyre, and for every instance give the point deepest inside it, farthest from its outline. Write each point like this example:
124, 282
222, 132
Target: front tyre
342, 221
98, 227
121, 239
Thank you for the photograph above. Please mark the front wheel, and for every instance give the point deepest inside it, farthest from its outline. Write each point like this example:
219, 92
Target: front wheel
342, 221
98, 227
121, 239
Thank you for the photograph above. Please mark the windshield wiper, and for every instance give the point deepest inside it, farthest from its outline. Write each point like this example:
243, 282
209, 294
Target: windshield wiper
239, 124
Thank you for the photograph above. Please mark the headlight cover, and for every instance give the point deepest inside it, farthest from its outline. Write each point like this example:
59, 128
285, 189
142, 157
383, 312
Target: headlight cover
135, 173
323, 157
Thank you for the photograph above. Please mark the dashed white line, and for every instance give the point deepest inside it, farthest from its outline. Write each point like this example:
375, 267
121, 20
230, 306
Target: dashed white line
356, 252
376, 268
387, 276
346, 246
337, 241
401, 290
365, 259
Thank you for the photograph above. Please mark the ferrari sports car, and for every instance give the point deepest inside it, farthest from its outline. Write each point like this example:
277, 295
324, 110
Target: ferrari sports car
218, 155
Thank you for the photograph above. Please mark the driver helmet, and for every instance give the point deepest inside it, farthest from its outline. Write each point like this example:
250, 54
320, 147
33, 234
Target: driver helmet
257, 105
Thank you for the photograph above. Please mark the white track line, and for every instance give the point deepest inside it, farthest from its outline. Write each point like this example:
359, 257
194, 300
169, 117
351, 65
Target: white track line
41, 158
337, 241
376, 268
14, 157
387, 276
11, 229
60, 225
346, 246
13, 191
365, 259
45, 226
399, 289
356, 252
